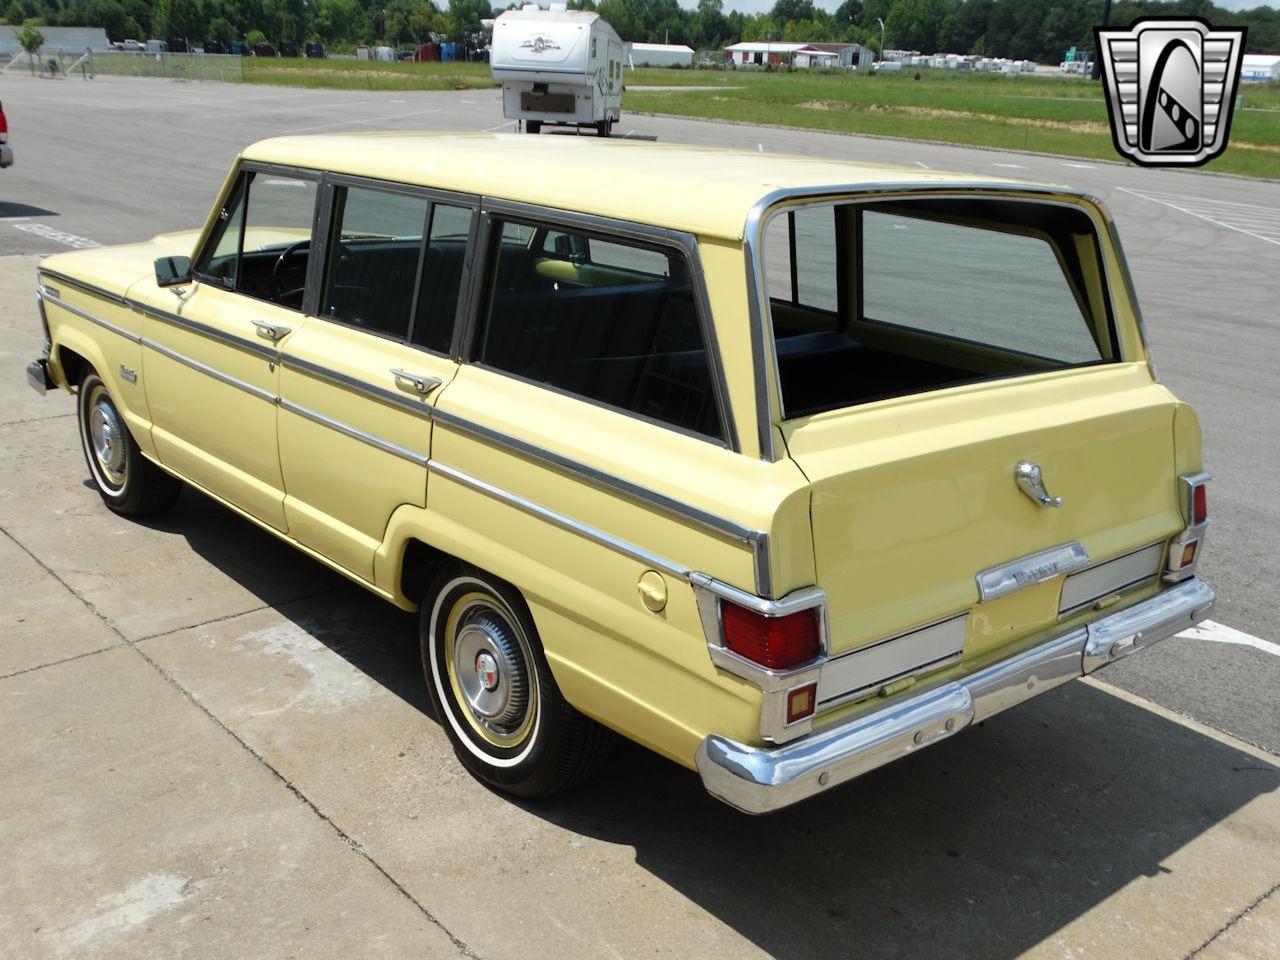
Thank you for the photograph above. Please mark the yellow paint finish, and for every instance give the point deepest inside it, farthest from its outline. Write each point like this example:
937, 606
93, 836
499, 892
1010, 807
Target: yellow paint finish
646, 675
913, 496
341, 490
218, 435
105, 351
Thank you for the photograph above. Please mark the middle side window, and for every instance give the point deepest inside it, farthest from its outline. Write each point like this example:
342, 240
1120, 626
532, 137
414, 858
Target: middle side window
609, 320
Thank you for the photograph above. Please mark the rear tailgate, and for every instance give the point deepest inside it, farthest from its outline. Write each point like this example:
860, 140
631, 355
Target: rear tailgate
916, 498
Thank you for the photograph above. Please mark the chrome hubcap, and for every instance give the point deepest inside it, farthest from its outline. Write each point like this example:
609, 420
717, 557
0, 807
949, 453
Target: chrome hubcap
491, 670
106, 434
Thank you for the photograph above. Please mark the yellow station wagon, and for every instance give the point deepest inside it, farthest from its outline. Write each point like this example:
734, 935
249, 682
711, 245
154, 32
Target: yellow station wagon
782, 467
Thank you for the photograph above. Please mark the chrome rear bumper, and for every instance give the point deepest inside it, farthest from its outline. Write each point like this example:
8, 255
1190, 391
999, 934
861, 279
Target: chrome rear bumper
762, 779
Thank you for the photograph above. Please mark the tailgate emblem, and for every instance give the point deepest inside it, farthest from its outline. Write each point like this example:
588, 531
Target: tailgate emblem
1031, 482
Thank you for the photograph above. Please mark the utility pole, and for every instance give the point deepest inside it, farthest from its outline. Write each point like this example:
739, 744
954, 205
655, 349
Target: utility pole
881, 21
1096, 74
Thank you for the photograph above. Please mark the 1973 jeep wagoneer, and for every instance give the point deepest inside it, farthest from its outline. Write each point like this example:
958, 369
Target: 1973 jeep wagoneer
782, 467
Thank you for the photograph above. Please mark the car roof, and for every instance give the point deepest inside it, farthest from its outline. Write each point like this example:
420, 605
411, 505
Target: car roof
702, 190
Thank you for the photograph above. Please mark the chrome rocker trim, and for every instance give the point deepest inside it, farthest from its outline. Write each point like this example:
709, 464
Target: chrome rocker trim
763, 779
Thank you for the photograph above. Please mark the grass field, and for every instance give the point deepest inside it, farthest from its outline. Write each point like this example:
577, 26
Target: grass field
1044, 114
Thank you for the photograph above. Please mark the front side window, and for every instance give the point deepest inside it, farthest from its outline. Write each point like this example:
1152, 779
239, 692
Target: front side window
613, 321
374, 248
262, 242
883, 299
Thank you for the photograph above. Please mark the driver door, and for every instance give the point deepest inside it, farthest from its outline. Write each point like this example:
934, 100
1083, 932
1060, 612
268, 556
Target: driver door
211, 365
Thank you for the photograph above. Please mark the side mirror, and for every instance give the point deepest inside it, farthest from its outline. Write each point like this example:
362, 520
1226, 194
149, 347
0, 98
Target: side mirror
172, 271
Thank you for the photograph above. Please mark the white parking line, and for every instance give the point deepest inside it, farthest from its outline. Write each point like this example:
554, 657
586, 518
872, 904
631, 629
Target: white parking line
505, 123
1079, 166
923, 165
1219, 633
1011, 166
57, 236
1241, 217
349, 123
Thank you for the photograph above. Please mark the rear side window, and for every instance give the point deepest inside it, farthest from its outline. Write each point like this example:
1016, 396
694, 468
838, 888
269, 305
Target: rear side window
608, 320
876, 300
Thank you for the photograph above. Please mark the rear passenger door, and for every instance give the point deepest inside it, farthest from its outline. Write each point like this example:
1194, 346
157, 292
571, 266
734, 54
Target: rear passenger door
360, 378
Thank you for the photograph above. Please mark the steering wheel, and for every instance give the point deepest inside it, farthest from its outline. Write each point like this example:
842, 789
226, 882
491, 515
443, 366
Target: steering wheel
277, 287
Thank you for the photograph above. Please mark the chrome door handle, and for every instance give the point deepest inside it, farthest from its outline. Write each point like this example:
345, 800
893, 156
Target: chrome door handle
1031, 482
422, 385
271, 331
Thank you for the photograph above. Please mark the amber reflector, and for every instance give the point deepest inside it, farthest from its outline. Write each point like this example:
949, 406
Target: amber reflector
801, 702
1188, 554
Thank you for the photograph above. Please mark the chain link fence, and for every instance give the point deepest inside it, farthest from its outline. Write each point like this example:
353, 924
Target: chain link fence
190, 66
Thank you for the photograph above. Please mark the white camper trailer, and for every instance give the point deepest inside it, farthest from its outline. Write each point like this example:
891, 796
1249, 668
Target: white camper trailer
558, 66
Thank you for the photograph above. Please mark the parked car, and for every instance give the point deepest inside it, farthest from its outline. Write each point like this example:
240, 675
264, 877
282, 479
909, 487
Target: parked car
723, 452
288, 48
215, 46
315, 50
6, 151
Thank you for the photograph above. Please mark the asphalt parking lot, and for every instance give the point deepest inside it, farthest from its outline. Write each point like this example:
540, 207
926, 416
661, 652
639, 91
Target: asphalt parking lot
214, 747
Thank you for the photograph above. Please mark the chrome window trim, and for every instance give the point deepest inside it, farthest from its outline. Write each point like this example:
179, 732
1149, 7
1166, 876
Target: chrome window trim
46, 297
1126, 277
415, 190
765, 359
82, 285
339, 379
404, 453
209, 371
204, 329
681, 241
1031, 569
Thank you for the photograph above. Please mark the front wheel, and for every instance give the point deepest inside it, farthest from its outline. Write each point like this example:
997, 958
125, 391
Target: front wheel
532, 126
128, 482
603, 127
492, 690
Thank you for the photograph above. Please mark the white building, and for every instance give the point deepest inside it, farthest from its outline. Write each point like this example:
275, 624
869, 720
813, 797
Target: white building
1260, 66
801, 55
658, 55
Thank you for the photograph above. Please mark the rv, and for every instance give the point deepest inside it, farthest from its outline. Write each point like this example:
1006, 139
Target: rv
558, 66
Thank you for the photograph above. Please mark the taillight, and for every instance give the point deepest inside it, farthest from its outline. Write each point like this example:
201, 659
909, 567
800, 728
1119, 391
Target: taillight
1199, 504
777, 643
1185, 547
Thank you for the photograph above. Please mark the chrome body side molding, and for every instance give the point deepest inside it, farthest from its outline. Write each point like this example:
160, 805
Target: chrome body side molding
1032, 569
762, 779
209, 371
87, 287
204, 330
404, 453
47, 297
338, 379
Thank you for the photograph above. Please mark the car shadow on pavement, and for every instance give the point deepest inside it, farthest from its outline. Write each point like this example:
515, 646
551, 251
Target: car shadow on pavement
981, 846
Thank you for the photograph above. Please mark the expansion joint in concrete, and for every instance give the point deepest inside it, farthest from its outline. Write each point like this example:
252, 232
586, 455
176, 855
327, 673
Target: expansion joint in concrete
1232, 922
345, 837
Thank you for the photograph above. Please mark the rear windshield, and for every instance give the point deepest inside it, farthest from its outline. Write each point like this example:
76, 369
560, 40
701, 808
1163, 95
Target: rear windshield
877, 300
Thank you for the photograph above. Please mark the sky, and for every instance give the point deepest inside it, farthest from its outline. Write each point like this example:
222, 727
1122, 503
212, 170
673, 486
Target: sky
764, 6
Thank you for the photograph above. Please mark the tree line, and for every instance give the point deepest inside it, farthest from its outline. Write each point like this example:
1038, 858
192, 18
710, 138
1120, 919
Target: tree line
1019, 29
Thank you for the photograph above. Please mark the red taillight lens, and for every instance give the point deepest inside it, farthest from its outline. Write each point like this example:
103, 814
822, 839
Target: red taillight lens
773, 642
1199, 504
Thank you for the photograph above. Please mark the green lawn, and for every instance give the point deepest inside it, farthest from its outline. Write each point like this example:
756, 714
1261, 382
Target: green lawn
1046, 114
366, 74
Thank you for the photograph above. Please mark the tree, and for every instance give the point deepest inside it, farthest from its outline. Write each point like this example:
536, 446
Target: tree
31, 40
464, 22
255, 37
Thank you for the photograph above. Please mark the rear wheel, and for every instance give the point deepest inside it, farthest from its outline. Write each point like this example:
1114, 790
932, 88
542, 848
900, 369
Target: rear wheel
493, 692
532, 126
128, 482
603, 127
